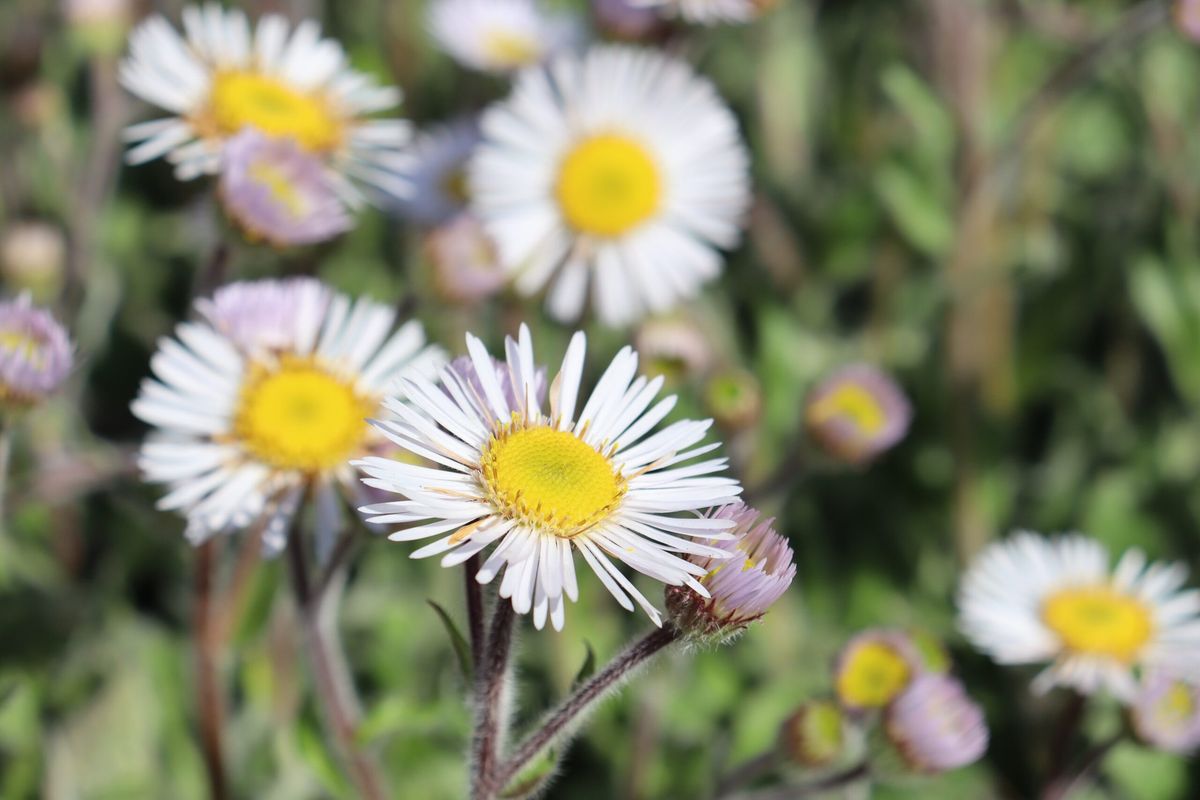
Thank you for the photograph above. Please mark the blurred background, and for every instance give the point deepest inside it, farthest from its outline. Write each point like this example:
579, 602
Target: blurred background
994, 200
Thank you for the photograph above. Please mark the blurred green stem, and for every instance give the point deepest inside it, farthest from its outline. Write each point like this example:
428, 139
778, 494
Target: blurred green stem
209, 703
334, 685
820, 787
748, 772
583, 699
491, 713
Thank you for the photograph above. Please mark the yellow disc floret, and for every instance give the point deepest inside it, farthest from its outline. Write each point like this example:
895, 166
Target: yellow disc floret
871, 675
852, 403
549, 479
509, 50
300, 417
607, 185
1100, 621
239, 100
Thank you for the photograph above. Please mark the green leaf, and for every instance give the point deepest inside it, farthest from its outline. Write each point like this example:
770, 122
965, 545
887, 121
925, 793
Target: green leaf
921, 216
317, 756
461, 648
588, 668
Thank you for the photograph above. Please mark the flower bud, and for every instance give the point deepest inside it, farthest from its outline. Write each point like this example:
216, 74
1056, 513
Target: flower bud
815, 735
466, 267
35, 354
32, 256
734, 398
935, 726
745, 575
874, 668
1165, 714
857, 413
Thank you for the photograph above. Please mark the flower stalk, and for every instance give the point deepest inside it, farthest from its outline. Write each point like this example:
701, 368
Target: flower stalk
562, 718
491, 689
334, 686
209, 702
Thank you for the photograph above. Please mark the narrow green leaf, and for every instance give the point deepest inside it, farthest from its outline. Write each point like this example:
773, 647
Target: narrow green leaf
461, 648
589, 666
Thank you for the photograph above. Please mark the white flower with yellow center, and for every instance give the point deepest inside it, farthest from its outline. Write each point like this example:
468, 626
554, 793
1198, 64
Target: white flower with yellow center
1031, 599
500, 36
222, 77
268, 397
711, 12
620, 170
590, 478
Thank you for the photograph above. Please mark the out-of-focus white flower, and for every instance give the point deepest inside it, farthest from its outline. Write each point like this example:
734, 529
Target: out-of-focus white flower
225, 76
1032, 599
501, 35
620, 171
543, 486
267, 399
277, 193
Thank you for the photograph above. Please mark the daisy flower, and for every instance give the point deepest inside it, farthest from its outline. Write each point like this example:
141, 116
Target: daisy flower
222, 76
1032, 599
266, 397
1166, 713
279, 194
500, 35
857, 413
711, 12
587, 477
621, 170
935, 726
36, 354
438, 172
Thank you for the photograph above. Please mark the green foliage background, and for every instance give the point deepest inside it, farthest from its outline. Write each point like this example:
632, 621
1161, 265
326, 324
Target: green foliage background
1027, 269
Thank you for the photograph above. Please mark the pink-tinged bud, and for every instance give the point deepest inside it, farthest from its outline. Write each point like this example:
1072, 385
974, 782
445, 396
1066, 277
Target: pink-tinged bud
746, 575
36, 354
857, 413
279, 194
935, 726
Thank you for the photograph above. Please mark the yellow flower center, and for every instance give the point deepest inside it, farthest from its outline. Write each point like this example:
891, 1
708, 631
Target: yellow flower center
872, 675
608, 185
852, 403
1178, 705
247, 99
1099, 620
508, 50
23, 345
300, 417
549, 479
280, 186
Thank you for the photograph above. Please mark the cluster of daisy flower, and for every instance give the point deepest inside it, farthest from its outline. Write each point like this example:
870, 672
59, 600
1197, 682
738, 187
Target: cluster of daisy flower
274, 111
898, 708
